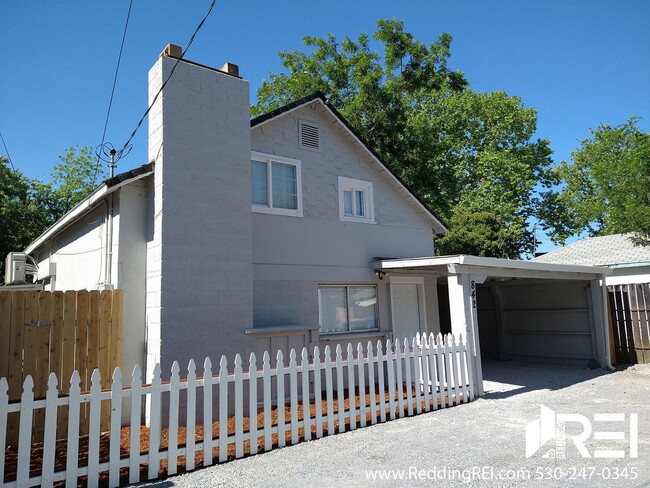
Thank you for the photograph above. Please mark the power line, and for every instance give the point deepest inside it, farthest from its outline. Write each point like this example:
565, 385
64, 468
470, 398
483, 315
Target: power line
7, 151
144, 116
110, 102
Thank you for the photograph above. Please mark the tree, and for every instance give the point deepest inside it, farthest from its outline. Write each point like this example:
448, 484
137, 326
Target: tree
29, 207
21, 219
606, 190
459, 150
73, 178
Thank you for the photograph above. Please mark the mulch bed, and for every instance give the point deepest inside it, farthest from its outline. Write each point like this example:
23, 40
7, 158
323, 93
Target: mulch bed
11, 454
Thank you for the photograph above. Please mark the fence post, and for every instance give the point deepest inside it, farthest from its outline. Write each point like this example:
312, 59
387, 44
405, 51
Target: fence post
352, 411
362, 384
207, 412
72, 460
279, 373
266, 375
172, 436
190, 424
329, 391
94, 428
154, 424
293, 394
136, 405
223, 409
318, 394
116, 424
25, 432
49, 437
252, 404
306, 406
239, 408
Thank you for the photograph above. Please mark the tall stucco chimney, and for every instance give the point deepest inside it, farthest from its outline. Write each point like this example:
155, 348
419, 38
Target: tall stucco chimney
199, 255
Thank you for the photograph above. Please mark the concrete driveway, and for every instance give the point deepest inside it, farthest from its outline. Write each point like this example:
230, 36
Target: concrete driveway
479, 444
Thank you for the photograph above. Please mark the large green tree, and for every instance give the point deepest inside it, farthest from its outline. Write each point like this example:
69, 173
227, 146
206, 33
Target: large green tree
462, 152
606, 188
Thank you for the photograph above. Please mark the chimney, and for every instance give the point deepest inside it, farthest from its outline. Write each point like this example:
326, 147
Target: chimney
199, 257
172, 50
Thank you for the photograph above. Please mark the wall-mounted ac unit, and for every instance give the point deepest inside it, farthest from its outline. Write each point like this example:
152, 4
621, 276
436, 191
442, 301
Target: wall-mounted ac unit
15, 268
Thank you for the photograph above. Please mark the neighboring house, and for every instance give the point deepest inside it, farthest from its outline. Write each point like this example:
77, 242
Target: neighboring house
288, 231
629, 288
629, 263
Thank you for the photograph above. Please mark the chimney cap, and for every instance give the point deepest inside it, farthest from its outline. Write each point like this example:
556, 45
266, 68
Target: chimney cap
172, 51
230, 68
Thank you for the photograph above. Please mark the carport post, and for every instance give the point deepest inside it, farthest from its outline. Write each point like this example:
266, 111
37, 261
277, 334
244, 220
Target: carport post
462, 307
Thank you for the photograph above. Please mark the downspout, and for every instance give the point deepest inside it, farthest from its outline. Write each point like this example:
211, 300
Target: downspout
109, 242
603, 289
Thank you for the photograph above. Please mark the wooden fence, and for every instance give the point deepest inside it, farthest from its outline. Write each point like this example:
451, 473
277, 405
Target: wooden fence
629, 307
56, 332
274, 405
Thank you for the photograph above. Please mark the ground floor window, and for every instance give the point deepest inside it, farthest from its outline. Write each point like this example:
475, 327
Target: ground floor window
347, 308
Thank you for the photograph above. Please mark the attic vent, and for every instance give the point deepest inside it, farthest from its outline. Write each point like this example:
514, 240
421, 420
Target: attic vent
309, 136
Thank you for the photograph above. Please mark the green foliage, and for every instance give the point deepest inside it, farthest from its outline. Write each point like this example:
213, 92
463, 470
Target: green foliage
459, 150
29, 207
607, 187
73, 178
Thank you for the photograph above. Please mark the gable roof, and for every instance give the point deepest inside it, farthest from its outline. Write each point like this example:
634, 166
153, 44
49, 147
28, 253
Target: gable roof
106, 188
439, 225
612, 250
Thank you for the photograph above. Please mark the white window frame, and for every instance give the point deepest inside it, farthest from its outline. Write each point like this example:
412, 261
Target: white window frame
350, 184
268, 209
347, 298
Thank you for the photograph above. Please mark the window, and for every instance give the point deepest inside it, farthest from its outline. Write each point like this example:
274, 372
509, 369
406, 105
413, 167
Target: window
347, 308
356, 200
276, 185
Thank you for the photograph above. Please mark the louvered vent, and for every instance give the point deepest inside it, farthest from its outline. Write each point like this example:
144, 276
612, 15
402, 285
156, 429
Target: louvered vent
309, 136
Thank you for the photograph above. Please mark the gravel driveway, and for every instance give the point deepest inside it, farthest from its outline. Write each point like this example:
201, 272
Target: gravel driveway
475, 443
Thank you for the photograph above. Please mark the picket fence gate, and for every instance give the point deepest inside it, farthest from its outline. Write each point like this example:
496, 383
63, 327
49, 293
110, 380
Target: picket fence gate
405, 378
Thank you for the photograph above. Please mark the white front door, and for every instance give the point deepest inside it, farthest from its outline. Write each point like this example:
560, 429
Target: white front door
408, 308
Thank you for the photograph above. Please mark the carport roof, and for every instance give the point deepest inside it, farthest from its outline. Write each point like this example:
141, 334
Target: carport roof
492, 267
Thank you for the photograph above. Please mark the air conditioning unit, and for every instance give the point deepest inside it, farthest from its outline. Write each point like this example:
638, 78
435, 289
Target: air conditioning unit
15, 268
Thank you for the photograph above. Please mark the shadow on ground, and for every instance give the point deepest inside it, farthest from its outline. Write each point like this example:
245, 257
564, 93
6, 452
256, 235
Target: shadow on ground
503, 379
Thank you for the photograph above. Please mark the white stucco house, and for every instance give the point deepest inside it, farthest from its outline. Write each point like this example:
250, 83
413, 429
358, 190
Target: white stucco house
287, 231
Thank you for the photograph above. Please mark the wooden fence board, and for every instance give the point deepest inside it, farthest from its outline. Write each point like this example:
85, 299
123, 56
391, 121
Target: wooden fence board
5, 332
48, 332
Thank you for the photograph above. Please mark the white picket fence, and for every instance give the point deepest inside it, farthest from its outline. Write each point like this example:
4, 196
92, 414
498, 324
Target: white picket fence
403, 378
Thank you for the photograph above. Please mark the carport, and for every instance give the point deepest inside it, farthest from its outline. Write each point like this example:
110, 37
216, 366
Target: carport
512, 309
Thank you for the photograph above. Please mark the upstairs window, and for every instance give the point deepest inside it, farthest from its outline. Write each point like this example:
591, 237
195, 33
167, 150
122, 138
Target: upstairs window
356, 200
276, 185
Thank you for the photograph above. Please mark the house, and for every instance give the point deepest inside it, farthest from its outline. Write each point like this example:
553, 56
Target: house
288, 231
628, 284
629, 263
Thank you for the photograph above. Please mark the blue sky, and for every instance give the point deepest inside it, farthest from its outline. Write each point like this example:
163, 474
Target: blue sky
579, 63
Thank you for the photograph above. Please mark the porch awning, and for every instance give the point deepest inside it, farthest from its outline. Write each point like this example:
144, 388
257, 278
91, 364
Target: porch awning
490, 267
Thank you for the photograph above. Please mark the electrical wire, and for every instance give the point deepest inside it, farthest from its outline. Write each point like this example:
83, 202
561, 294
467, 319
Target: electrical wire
189, 43
7, 151
110, 102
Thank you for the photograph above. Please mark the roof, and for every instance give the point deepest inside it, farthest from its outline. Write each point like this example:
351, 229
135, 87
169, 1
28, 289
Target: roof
106, 188
320, 96
612, 250
492, 267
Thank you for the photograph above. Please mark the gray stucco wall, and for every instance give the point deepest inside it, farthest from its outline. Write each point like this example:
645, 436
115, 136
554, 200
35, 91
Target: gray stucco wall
293, 255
